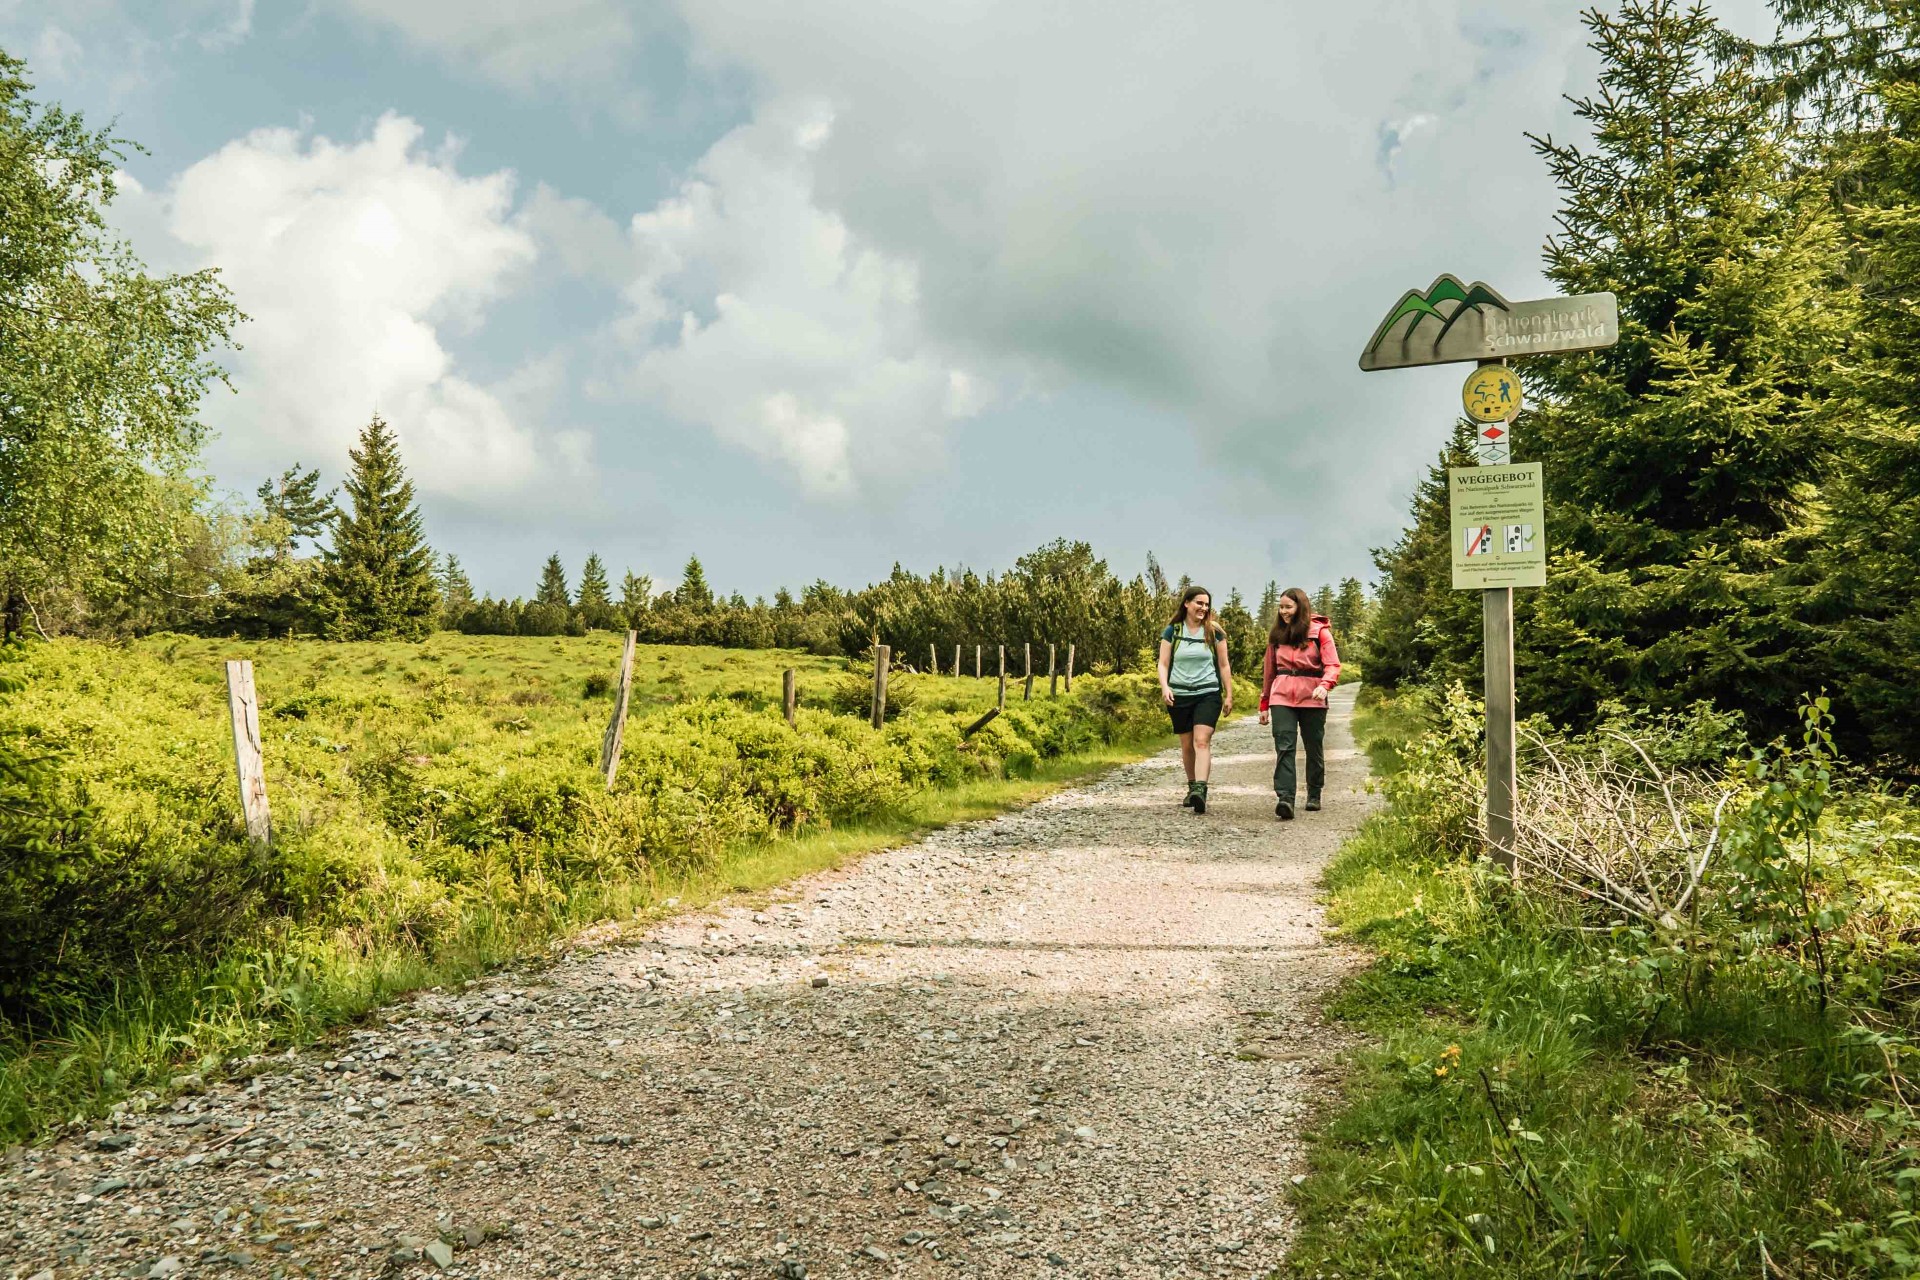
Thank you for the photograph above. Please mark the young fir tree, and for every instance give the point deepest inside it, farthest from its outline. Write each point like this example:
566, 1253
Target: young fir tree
1678, 463
1347, 612
553, 588
636, 596
1418, 621
1269, 604
693, 592
379, 574
294, 500
456, 590
595, 594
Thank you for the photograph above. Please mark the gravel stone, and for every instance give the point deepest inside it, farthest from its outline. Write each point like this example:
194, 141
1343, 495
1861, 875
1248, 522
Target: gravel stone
1085, 1034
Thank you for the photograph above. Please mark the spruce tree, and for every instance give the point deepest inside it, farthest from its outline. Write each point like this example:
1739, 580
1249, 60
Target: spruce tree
1269, 603
636, 595
595, 594
693, 591
456, 591
1860, 62
553, 588
1677, 462
295, 500
379, 575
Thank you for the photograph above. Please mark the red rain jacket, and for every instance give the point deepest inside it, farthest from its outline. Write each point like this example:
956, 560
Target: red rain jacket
1293, 671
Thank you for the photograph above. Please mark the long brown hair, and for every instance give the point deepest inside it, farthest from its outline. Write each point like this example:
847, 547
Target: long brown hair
1294, 632
1212, 624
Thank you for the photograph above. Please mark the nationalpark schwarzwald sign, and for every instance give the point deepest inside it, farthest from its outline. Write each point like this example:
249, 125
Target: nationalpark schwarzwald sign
1452, 322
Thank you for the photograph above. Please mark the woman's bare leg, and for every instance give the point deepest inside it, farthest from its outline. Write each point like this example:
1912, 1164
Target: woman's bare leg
1186, 754
1200, 754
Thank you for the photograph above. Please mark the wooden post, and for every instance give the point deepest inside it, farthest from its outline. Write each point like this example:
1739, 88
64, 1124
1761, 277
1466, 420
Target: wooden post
979, 724
1001, 701
1503, 776
880, 657
249, 758
790, 695
1069, 668
933, 660
616, 734
956, 662
1027, 695
1053, 675
976, 661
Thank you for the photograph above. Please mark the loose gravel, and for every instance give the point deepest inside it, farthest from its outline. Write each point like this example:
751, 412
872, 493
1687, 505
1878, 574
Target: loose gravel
1076, 1040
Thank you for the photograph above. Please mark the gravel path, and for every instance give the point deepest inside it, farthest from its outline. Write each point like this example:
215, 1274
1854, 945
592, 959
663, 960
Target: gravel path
1076, 1040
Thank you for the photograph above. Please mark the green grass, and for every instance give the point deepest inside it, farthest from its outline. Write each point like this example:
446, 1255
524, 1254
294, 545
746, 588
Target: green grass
1530, 1108
437, 812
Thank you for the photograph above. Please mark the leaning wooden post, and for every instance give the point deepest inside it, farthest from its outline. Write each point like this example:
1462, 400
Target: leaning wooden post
1069, 668
1001, 701
249, 758
616, 734
933, 660
790, 695
1053, 675
1027, 694
880, 657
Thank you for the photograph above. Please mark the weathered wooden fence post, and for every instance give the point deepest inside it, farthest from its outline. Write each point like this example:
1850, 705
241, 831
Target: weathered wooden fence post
1027, 695
1053, 674
1001, 701
616, 734
249, 757
790, 695
1069, 668
933, 660
976, 660
956, 662
881, 654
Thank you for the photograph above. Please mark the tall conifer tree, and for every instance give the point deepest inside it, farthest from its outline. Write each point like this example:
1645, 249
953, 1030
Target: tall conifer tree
595, 592
379, 577
693, 591
553, 588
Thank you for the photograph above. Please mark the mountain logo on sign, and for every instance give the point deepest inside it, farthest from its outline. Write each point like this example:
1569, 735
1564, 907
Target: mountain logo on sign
1447, 292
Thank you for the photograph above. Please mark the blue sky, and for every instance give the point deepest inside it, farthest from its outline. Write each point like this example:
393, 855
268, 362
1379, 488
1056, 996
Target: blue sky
807, 289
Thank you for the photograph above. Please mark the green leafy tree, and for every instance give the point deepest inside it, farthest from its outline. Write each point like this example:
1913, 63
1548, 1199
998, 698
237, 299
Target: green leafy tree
379, 576
553, 590
102, 371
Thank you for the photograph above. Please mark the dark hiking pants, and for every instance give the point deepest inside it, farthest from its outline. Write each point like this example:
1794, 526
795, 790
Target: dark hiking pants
1308, 725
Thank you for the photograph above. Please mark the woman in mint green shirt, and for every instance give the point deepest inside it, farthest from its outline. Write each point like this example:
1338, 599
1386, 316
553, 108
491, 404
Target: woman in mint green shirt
1197, 683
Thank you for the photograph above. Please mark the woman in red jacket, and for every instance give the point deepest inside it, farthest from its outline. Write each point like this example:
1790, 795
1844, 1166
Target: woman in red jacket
1301, 669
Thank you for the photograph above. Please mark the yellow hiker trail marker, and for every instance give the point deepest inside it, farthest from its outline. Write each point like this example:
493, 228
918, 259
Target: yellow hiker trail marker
1491, 394
1499, 529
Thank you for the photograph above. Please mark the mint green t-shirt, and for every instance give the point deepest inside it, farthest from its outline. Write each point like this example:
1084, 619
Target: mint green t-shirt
1192, 669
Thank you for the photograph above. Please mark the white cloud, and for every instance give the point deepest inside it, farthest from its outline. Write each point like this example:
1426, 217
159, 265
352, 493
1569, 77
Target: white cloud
354, 261
756, 313
556, 42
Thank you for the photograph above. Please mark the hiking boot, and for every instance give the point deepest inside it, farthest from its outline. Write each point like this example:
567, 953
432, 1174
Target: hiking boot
1193, 789
1313, 804
1284, 810
1200, 797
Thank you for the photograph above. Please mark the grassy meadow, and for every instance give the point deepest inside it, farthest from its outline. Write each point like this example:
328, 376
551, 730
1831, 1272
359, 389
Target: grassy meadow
1551, 1092
437, 809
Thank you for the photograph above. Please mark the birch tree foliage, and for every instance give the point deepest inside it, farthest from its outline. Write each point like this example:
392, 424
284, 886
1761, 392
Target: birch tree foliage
103, 367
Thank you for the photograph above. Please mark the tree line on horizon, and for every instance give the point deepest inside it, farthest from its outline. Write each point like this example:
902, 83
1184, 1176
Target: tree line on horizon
1733, 491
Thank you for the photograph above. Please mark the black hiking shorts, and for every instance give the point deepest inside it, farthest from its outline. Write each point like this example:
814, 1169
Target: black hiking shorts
1190, 709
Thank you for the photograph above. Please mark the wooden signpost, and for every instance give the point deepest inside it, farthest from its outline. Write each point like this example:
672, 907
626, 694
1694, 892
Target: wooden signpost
1498, 533
249, 757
